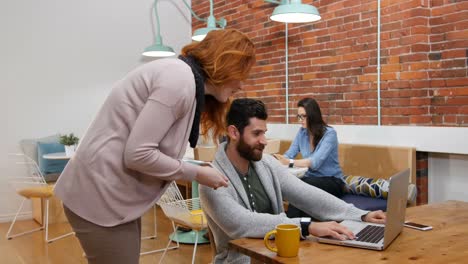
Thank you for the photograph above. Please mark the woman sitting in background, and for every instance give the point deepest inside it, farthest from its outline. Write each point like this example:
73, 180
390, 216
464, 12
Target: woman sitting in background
318, 144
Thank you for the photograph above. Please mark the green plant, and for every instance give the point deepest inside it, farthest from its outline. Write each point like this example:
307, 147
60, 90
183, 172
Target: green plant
69, 140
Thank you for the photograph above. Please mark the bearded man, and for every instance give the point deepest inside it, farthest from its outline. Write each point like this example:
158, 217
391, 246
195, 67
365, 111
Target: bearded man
252, 204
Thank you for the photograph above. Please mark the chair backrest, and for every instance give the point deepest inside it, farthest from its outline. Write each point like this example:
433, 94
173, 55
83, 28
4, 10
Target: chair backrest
186, 212
273, 146
375, 161
31, 174
205, 153
34, 148
172, 194
371, 161
29, 146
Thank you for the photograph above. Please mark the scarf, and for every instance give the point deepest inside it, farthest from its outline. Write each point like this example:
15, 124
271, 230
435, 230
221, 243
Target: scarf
200, 78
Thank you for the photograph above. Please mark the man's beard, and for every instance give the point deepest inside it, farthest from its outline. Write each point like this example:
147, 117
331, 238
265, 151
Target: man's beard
248, 152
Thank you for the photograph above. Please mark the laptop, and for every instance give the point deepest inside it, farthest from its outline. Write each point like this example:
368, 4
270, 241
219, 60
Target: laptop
378, 236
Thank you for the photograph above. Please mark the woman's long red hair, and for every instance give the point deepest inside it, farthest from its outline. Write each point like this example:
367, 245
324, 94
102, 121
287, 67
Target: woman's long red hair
225, 55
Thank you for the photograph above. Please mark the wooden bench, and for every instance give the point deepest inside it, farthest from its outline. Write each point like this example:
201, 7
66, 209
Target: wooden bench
372, 161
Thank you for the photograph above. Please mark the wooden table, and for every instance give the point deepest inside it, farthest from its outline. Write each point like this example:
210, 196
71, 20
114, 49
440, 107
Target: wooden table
446, 243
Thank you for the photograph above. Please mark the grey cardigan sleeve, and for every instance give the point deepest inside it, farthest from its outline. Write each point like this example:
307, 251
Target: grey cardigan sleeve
314, 201
227, 211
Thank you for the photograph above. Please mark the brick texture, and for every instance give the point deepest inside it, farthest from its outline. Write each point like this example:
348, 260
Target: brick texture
424, 49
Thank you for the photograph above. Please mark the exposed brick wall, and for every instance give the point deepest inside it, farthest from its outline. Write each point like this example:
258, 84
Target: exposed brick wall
448, 61
424, 49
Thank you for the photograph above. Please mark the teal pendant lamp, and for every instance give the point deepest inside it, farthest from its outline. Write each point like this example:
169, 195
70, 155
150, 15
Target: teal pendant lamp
294, 11
211, 22
200, 33
158, 49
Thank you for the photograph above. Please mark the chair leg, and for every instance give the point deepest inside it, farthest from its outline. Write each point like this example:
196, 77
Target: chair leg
155, 235
195, 247
8, 236
46, 220
46, 216
168, 243
155, 226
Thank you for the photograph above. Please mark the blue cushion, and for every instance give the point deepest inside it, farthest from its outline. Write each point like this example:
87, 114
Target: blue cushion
48, 166
365, 203
29, 146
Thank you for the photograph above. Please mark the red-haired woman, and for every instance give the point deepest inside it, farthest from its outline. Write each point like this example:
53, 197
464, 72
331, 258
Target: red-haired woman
133, 148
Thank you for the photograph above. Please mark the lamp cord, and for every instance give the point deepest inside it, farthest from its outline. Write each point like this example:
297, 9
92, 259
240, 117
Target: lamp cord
193, 13
158, 33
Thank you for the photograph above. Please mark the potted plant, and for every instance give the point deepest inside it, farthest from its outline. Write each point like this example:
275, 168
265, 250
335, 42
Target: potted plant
69, 141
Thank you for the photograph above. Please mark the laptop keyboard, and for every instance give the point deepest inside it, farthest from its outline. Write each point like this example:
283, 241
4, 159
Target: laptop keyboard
370, 234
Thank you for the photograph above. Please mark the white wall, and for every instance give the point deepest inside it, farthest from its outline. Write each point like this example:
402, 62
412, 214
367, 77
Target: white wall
59, 60
448, 177
447, 147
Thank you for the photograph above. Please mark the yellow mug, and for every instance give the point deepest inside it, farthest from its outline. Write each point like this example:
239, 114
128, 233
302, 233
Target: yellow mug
287, 238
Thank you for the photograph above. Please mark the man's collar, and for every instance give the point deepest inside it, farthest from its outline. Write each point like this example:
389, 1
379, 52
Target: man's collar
242, 174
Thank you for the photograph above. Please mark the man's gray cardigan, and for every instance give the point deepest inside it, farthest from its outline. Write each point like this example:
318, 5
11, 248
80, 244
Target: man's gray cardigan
230, 215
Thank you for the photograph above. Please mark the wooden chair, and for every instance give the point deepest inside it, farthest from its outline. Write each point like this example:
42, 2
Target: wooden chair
371, 161
273, 146
205, 153
154, 236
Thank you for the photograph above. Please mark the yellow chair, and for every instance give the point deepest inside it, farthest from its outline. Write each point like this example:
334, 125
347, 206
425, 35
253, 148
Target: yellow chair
32, 186
183, 213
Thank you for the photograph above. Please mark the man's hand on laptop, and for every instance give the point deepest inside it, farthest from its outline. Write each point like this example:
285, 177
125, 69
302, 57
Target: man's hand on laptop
377, 217
330, 229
